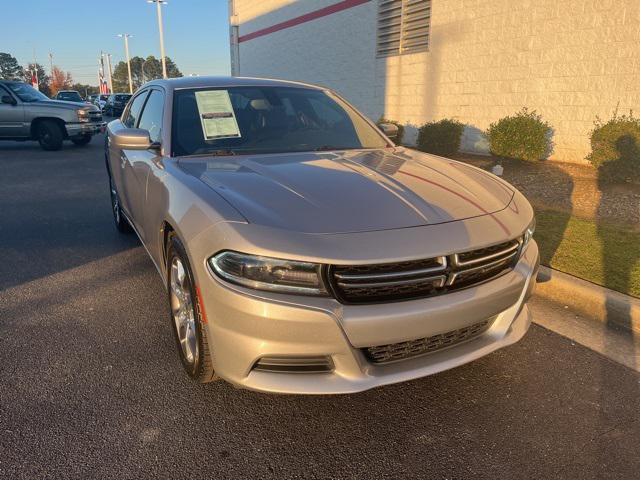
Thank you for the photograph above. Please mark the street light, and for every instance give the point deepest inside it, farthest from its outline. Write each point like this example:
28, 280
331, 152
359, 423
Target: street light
126, 37
159, 4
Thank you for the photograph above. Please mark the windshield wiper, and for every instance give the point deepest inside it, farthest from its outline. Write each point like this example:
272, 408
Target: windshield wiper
325, 148
213, 153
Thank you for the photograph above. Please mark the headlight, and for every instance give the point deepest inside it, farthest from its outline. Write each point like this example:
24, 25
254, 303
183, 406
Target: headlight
83, 115
528, 233
265, 273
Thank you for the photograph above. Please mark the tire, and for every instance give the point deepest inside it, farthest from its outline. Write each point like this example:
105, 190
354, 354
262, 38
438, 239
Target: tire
82, 140
186, 315
118, 217
49, 135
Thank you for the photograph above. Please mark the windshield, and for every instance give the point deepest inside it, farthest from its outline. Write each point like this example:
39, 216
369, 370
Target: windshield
122, 98
104, 97
69, 96
26, 93
266, 120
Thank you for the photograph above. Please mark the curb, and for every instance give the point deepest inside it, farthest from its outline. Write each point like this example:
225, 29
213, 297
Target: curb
602, 304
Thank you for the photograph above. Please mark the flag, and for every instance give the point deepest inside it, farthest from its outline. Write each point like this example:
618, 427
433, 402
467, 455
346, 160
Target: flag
34, 79
103, 84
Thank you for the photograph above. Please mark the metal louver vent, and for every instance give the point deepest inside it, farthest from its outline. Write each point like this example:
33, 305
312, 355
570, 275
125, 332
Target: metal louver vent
403, 26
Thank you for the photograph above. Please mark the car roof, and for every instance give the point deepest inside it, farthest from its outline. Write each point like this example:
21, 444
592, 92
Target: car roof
207, 81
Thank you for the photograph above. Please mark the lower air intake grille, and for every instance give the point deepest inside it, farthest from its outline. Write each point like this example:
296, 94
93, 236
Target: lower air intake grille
319, 364
413, 348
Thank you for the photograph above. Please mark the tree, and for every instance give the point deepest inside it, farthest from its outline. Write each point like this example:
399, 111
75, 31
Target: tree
152, 70
43, 78
10, 69
60, 80
172, 69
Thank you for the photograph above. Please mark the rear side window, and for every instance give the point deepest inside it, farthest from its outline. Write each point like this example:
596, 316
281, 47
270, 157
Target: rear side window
151, 118
131, 118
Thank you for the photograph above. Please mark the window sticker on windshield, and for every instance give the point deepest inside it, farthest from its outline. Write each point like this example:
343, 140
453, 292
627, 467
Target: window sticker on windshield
216, 115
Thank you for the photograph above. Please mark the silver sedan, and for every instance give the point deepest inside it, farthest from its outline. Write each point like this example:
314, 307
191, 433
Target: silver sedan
304, 252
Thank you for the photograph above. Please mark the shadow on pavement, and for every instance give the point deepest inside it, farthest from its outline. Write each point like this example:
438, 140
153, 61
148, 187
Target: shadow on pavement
56, 211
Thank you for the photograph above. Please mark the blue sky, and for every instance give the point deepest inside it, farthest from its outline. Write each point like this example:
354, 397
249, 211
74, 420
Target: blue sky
196, 33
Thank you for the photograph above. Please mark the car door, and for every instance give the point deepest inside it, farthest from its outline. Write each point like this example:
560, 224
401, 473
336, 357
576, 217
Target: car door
11, 117
140, 162
126, 182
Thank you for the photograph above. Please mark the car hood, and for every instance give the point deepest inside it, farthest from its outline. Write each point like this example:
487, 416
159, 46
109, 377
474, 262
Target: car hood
350, 191
61, 104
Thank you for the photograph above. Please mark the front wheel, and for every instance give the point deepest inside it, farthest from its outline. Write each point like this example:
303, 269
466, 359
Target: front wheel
49, 135
82, 140
118, 218
186, 315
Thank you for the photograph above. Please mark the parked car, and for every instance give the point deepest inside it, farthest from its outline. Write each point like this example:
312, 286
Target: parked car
69, 96
100, 101
115, 104
302, 251
27, 114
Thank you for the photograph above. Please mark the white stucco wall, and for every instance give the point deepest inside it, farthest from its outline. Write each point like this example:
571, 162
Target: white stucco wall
570, 60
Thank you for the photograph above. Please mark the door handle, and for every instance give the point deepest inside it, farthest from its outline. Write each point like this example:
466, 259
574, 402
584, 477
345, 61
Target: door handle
123, 160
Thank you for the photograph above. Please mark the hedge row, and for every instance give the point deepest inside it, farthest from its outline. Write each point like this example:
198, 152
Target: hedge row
615, 143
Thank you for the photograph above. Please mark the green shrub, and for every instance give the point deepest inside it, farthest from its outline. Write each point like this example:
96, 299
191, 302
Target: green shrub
440, 138
398, 139
524, 136
615, 148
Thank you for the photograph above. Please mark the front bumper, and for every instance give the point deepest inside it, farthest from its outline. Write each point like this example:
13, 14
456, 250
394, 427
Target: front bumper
89, 128
245, 325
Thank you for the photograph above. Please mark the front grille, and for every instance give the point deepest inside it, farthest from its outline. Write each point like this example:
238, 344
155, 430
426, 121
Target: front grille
95, 116
390, 282
413, 348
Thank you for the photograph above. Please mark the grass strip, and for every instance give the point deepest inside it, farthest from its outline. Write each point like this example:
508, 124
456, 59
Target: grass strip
604, 254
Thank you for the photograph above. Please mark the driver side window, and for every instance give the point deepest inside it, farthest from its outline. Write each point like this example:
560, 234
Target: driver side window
151, 118
131, 118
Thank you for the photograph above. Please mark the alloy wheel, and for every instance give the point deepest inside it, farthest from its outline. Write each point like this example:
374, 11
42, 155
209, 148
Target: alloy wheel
115, 203
182, 310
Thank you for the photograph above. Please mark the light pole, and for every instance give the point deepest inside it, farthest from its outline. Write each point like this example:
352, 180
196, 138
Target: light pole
126, 37
159, 4
108, 55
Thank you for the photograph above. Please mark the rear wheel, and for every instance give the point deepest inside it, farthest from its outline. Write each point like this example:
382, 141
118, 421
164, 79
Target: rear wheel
49, 135
186, 315
118, 218
82, 140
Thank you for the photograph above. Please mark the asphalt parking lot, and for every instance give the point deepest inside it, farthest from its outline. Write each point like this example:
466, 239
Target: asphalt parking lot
91, 385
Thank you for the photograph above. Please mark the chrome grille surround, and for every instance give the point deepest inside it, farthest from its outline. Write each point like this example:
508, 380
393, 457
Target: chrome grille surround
388, 282
414, 348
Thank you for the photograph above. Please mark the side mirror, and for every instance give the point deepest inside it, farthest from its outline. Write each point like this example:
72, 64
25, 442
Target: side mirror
132, 139
9, 100
389, 129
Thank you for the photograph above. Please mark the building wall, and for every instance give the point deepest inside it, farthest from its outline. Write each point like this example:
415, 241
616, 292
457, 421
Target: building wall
335, 50
570, 60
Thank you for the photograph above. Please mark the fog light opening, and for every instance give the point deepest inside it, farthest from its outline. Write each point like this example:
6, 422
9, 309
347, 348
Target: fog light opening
312, 364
